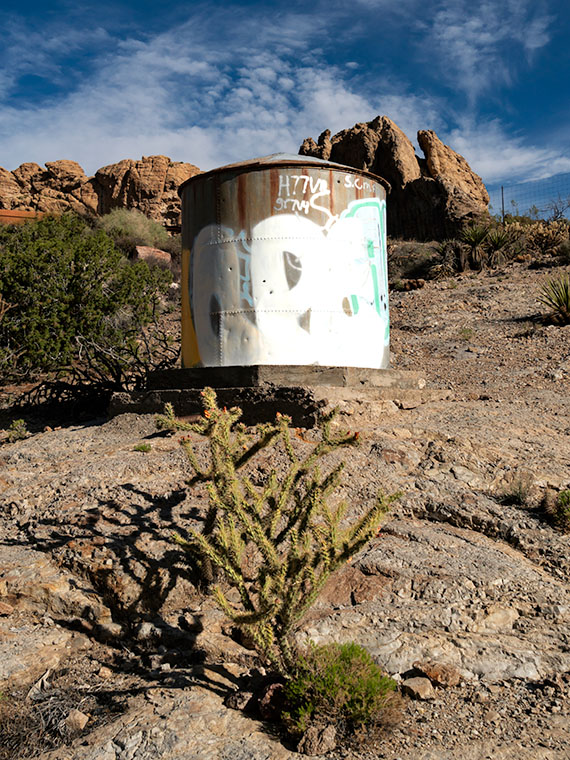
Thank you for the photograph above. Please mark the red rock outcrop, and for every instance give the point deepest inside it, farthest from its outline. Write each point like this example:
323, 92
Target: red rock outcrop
431, 197
149, 185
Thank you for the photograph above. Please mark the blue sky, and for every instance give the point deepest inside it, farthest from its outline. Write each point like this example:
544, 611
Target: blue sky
212, 82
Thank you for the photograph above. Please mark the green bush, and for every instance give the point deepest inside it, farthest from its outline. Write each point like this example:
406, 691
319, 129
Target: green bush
562, 511
285, 521
17, 431
68, 286
555, 295
339, 684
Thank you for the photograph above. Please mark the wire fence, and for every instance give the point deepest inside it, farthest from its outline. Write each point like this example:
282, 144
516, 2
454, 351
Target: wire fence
540, 199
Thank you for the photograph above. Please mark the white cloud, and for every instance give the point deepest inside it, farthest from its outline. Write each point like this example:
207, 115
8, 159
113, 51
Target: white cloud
197, 93
201, 102
495, 154
476, 42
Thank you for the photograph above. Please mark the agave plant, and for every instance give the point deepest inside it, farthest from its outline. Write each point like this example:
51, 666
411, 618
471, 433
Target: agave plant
555, 295
497, 241
453, 256
473, 236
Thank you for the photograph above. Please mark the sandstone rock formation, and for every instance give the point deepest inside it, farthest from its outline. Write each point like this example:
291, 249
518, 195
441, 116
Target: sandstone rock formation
149, 185
431, 197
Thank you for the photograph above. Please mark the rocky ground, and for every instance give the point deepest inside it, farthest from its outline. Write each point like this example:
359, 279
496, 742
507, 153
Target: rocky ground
108, 652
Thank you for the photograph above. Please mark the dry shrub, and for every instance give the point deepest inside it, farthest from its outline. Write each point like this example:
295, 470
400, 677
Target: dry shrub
541, 238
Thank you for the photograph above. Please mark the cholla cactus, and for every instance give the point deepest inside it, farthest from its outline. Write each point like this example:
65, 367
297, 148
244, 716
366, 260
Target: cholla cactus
295, 533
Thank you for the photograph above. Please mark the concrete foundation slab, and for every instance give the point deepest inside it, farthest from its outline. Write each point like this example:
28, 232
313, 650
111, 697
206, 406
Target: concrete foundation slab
284, 376
262, 391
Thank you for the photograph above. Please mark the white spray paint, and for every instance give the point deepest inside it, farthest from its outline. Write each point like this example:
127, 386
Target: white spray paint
294, 292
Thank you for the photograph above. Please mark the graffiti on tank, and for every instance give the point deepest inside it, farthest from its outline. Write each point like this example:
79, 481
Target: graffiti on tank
291, 291
293, 191
372, 215
244, 258
357, 182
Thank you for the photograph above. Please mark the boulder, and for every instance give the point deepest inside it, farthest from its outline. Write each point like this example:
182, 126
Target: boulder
152, 255
431, 197
149, 185
446, 165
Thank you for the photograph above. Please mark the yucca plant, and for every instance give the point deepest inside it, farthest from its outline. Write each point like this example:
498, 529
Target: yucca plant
555, 295
287, 522
496, 243
453, 256
473, 236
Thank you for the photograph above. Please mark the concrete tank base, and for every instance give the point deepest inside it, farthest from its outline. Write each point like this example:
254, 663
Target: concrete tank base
261, 391
259, 375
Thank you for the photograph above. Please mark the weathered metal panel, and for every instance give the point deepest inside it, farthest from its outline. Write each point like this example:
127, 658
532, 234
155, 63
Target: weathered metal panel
15, 216
284, 264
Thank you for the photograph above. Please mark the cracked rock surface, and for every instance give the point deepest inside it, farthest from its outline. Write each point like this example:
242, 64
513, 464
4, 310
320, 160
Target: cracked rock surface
465, 585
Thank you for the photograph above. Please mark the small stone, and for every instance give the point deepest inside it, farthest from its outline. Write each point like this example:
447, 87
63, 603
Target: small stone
496, 618
270, 703
238, 700
109, 631
76, 721
317, 741
79, 643
105, 672
146, 631
464, 475
491, 716
439, 674
418, 688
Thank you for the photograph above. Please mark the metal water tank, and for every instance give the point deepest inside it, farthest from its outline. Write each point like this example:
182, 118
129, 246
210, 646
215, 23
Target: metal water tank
284, 263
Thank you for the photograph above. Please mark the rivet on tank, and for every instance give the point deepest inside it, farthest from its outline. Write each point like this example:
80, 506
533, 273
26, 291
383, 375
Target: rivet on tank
284, 263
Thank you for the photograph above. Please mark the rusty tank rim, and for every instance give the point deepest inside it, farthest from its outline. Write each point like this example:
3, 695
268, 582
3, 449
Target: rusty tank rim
281, 161
20, 213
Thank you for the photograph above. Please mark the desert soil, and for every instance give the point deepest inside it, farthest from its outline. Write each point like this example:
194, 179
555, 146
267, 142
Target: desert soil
99, 617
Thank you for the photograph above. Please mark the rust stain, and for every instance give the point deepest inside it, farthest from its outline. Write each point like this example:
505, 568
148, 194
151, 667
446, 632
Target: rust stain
242, 200
273, 186
14, 216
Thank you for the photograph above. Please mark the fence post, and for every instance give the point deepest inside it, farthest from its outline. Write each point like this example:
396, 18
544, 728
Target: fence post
503, 204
